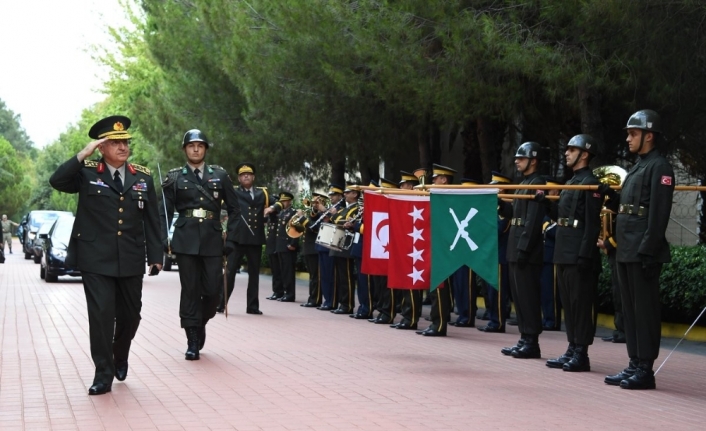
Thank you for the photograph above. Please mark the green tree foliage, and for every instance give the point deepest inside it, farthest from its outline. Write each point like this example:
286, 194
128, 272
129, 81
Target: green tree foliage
11, 129
14, 186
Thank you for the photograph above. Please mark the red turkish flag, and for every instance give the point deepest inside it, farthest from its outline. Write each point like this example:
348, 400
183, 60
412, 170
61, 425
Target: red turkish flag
376, 225
410, 242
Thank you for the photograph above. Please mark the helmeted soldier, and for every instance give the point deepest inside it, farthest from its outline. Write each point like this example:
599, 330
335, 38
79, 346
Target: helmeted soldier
525, 254
643, 208
576, 254
197, 191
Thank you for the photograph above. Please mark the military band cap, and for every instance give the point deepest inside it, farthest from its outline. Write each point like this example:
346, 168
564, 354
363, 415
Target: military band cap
245, 168
335, 188
551, 181
469, 182
387, 184
498, 178
285, 196
318, 195
374, 183
442, 170
113, 127
406, 176
349, 188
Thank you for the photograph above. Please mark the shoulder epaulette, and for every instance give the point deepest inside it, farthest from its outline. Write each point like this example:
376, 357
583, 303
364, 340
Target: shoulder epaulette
171, 177
145, 170
217, 167
261, 188
175, 170
90, 163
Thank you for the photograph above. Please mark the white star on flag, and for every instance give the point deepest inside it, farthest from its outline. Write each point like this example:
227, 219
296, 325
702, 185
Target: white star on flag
416, 275
416, 214
416, 255
417, 235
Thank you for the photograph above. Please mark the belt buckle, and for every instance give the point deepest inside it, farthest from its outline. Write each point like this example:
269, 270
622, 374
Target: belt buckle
200, 213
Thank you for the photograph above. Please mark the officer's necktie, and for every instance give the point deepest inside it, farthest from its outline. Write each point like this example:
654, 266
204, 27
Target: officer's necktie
197, 172
118, 181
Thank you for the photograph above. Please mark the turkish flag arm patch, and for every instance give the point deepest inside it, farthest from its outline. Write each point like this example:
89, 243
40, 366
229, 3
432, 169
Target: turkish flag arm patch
666, 180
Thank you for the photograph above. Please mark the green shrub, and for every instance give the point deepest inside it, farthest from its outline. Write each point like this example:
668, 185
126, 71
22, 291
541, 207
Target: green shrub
682, 289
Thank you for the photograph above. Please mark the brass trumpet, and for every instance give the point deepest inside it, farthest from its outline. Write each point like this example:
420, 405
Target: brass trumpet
296, 226
614, 176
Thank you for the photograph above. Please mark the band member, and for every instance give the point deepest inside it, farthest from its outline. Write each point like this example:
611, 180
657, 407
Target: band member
643, 209
411, 299
441, 296
117, 209
254, 203
311, 254
286, 250
551, 302
196, 191
576, 254
386, 303
271, 248
343, 261
326, 265
498, 303
525, 254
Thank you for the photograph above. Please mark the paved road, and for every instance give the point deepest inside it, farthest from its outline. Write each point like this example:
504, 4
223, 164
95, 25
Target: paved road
302, 369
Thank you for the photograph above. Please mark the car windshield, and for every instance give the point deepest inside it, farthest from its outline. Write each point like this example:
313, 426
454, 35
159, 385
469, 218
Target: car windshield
62, 231
46, 227
39, 217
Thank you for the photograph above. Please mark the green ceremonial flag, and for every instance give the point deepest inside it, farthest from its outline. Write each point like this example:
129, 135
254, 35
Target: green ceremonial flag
464, 231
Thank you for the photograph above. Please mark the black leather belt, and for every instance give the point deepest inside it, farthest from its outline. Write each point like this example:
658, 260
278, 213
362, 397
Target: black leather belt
199, 213
517, 222
566, 222
631, 209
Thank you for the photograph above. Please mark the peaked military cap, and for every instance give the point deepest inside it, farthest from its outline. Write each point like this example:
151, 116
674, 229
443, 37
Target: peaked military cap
406, 176
335, 188
551, 181
113, 127
245, 168
285, 196
469, 182
498, 178
387, 184
442, 170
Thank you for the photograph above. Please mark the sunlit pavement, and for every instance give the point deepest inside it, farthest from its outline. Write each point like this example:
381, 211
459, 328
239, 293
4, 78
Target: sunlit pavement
297, 368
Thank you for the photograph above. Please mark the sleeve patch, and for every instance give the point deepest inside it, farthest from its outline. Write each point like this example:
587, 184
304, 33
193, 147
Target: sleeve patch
597, 195
666, 180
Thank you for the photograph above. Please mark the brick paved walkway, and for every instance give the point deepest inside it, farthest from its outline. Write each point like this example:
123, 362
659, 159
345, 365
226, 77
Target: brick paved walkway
296, 368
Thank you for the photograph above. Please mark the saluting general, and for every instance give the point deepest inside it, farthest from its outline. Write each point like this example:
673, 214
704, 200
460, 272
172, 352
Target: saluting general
116, 221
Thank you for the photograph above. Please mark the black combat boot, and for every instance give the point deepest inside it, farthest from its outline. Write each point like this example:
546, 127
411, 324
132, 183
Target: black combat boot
644, 377
529, 350
561, 360
615, 379
579, 362
192, 343
202, 336
507, 351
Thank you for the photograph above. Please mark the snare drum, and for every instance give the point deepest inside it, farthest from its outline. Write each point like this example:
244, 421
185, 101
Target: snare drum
333, 236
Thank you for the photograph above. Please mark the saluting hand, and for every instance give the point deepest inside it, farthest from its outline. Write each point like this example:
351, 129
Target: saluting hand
89, 149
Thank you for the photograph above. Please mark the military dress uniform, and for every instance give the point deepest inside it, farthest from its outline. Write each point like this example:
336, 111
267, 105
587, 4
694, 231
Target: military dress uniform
551, 302
525, 254
345, 275
271, 249
115, 223
311, 256
327, 271
643, 215
578, 262
197, 241
249, 238
611, 245
286, 257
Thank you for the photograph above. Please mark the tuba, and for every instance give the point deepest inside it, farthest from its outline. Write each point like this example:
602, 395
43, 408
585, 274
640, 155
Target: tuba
614, 176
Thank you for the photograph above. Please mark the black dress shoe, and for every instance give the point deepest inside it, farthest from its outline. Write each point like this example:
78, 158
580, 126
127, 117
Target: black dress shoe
380, 321
488, 328
405, 326
615, 379
421, 331
99, 389
578, 364
620, 340
120, 370
324, 308
642, 379
253, 312
308, 305
507, 351
608, 338
395, 325
285, 299
341, 311
511, 322
434, 333
274, 297
527, 351
462, 325
361, 316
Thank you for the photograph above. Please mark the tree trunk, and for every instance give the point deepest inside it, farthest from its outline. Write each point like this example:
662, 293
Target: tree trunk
486, 133
338, 168
591, 121
424, 148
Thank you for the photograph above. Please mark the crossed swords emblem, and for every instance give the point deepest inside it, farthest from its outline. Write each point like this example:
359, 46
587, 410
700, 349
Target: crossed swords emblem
462, 225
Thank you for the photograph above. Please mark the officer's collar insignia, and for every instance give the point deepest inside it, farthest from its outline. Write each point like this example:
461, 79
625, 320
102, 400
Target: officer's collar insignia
100, 168
184, 171
131, 169
118, 126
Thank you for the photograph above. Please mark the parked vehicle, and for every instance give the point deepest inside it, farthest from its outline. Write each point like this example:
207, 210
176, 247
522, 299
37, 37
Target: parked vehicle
170, 259
37, 245
30, 224
55, 245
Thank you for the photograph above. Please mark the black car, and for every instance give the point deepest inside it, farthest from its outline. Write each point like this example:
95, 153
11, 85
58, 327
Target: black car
38, 244
56, 243
29, 226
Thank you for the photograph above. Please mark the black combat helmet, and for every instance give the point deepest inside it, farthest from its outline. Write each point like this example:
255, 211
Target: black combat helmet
529, 150
584, 142
645, 119
195, 135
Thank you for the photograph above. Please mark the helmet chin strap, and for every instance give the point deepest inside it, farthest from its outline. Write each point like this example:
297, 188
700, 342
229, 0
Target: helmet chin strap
642, 140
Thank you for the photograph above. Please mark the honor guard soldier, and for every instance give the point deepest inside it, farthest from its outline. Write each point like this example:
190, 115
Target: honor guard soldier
386, 303
441, 296
116, 221
576, 254
343, 261
643, 208
525, 252
498, 301
465, 287
411, 302
326, 265
287, 247
196, 192
271, 224
254, 203
551, 302
311, 253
